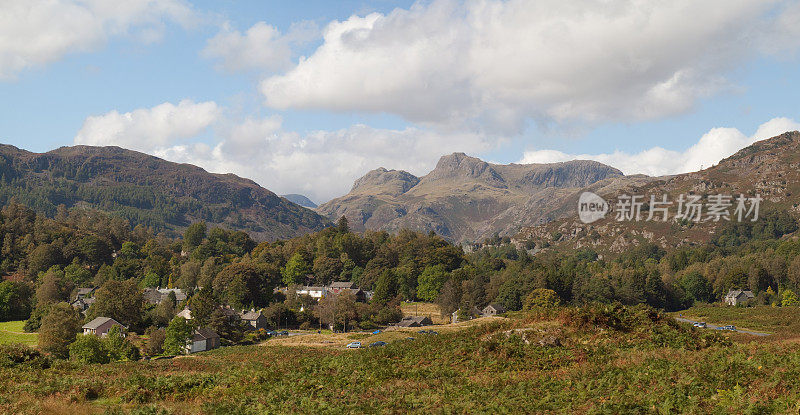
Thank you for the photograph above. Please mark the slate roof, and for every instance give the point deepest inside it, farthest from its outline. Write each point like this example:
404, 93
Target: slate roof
204, 334
97, 322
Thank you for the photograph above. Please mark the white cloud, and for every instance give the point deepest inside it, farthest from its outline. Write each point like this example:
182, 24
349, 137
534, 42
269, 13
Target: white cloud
261, 47
149, 128
37, 32
320, 164
712, 147
496, 63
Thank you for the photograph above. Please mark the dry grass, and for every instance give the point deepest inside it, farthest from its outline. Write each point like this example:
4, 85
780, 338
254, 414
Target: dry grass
430, 310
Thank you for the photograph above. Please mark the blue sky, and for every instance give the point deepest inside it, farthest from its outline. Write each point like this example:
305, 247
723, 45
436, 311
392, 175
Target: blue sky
304, 97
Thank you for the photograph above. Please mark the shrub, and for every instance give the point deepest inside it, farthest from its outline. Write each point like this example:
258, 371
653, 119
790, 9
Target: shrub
89, 349
541, 298
12, 355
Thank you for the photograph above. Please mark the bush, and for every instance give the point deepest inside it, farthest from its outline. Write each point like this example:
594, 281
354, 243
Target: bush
12, 355
89, 349
541, 298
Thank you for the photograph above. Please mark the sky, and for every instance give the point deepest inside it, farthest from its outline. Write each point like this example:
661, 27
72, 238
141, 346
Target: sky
305, 97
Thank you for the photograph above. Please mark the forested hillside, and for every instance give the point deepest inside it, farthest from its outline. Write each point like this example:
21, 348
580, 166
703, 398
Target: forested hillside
147, 190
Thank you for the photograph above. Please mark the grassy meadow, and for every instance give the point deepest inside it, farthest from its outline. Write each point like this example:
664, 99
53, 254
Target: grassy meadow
12, 332
603, 359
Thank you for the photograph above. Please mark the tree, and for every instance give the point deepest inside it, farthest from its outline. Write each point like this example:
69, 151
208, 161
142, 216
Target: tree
120, 300
202, 305
15, 300
177, 336
227, 325
58, 330
342, 225
155, 343
385, 287
295, 270
88, 349
52, 289
119, 348
541, 298
696, 286
788, 298
430, 282
194, 235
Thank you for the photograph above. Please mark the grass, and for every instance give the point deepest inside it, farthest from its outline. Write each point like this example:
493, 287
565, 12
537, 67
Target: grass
12, 332
782, 322
605, 360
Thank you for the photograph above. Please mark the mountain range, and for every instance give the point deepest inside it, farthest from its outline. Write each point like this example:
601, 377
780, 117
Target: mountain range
149, 191
769, 169
464, 198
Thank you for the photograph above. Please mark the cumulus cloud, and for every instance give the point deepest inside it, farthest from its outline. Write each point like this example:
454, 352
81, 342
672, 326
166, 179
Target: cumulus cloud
262, 46
712, 147
320, 164
498, 63
147, 129
37, 32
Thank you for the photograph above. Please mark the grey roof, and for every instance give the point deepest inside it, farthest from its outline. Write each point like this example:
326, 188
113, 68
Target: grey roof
97, 322
204, 333
85, 290
497, 307
251, 315
409, 321
343, 284
736, 293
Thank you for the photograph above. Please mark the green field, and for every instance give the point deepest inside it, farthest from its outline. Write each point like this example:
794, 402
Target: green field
781, 322
603, 360
11, 332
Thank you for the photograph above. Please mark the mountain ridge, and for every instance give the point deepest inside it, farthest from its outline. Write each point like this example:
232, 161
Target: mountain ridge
148, 190
463, 198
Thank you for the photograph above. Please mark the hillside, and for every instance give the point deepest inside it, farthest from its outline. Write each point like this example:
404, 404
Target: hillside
147, 190
300, 200
464, 198
589, 360
768, 168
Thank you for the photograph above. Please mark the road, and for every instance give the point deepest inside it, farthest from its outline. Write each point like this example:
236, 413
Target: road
713, 327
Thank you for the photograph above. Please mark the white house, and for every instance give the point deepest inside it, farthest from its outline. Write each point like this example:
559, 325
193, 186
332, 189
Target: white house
736, 297
203, 339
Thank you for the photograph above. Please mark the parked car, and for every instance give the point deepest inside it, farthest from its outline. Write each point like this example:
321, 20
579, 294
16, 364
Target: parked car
423, 331
700, 325
284, 333
378, 344
376, 332
433, 332
354, 345
272, 333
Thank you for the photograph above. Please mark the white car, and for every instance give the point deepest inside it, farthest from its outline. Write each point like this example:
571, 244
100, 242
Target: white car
354, 345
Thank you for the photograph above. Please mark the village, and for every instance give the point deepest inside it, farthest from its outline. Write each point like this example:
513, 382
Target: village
253, 321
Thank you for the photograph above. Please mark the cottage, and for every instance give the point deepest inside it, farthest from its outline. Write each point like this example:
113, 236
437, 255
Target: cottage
185, 313
203, 339
341, 286
311, 291
254, 319
414, 321
82, 304
492, 310
84, 292
473, 313
100, 326
736, 297
157, 295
